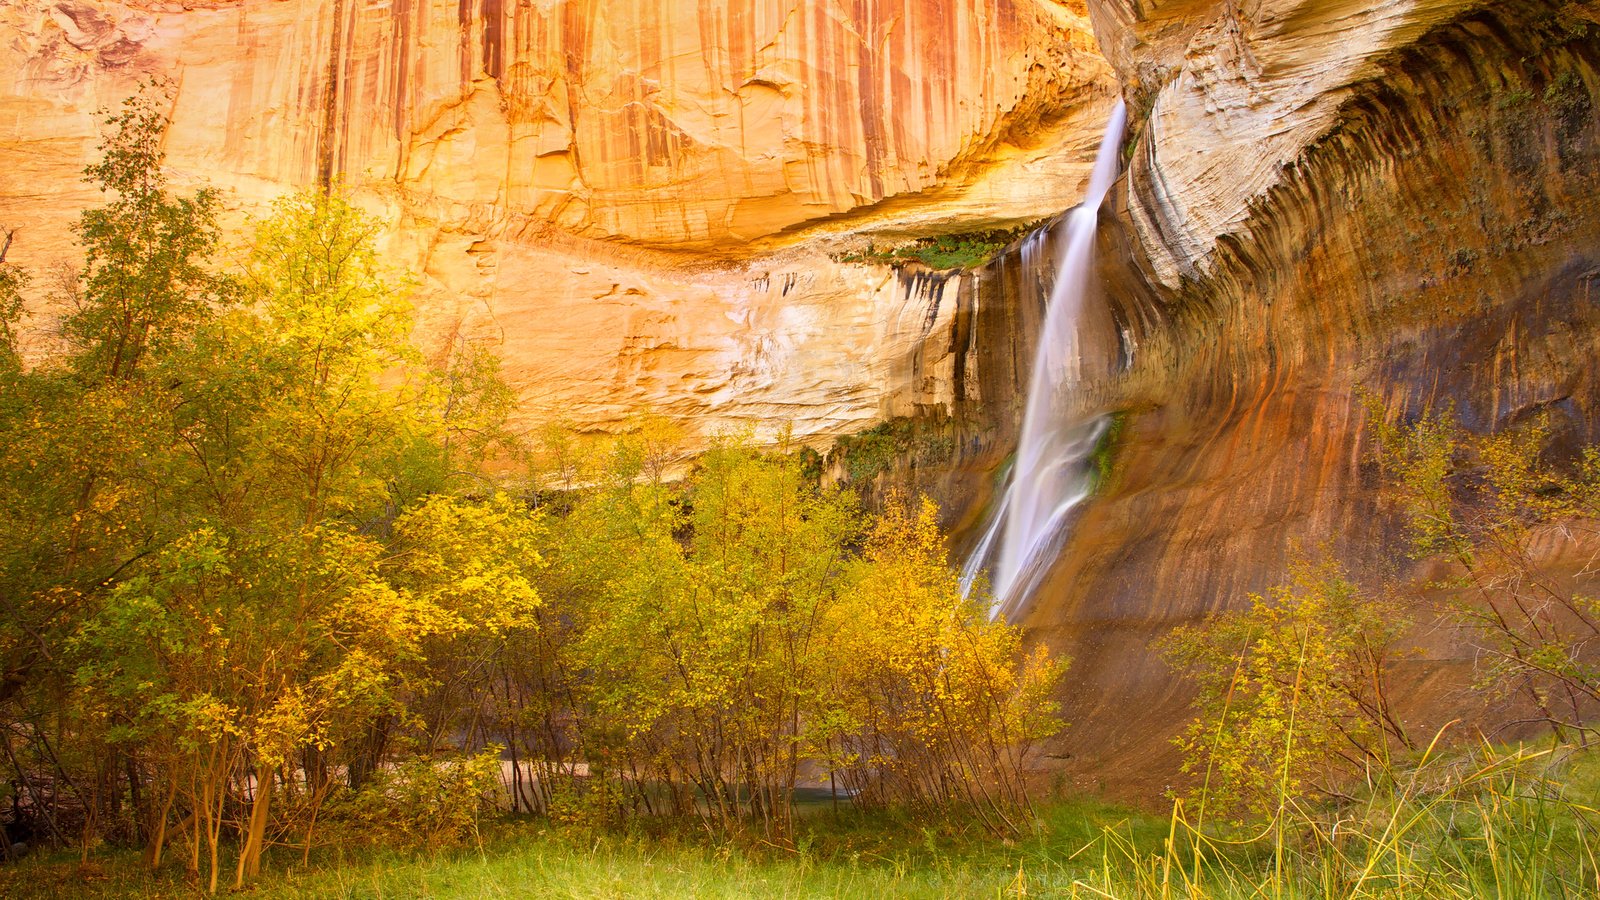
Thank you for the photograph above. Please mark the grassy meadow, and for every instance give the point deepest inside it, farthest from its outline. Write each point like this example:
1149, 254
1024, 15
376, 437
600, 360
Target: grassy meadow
1494, 822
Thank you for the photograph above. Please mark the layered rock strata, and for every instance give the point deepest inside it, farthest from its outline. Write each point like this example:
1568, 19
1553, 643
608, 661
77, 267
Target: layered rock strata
547, 168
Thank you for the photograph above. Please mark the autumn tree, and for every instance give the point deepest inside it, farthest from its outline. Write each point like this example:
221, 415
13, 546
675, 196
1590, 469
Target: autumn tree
474, 565
1292, 693
84, 448
700, 621
145, 283
767, 558
272, 637
474, 406
932, 703
1492, 506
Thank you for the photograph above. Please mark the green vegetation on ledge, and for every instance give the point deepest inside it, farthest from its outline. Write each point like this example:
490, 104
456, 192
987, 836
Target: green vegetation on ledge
943, 252
867, 454
1104, 459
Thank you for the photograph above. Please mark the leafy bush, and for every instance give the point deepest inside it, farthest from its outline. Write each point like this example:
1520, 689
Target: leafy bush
1292, 692
932, 703
423, 802
1104, 459
1482, 504
868, 454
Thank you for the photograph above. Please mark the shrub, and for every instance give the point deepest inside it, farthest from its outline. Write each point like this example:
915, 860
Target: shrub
933, 703
1483, 503
424, 802
1291, 692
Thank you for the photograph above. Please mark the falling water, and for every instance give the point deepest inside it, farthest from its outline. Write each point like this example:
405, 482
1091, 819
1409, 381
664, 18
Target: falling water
1052, 470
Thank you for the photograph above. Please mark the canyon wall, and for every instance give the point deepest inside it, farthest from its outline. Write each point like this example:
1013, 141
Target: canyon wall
1419, 229
633, 201
1335, 209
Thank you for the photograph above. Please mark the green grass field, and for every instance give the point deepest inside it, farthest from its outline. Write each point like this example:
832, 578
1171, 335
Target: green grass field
847, 856
1473, 825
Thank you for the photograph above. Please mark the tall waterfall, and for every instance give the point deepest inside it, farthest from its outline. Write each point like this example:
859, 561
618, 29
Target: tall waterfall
1052, 470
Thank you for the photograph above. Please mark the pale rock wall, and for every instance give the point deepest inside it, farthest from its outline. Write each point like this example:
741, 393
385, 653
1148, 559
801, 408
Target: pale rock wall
794, 340
1235, 92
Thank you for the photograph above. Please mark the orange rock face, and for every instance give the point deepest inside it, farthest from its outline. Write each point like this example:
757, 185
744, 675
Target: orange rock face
1337, 205
677, 123
538, 159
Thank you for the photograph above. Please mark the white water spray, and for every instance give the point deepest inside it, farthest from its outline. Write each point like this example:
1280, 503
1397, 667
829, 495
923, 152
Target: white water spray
1051, 474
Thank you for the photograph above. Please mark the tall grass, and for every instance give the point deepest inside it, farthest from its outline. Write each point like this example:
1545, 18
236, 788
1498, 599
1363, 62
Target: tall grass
1486, 822
1465, 823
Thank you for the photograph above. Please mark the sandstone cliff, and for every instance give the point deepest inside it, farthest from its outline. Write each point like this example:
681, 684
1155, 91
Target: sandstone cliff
546, 166
1323, 199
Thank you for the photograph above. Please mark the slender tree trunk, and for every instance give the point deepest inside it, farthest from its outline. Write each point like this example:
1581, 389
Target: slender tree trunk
213, 821
317, 797
158, 836
193, 830
24, 783
369, 754
255, 836
139, 815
